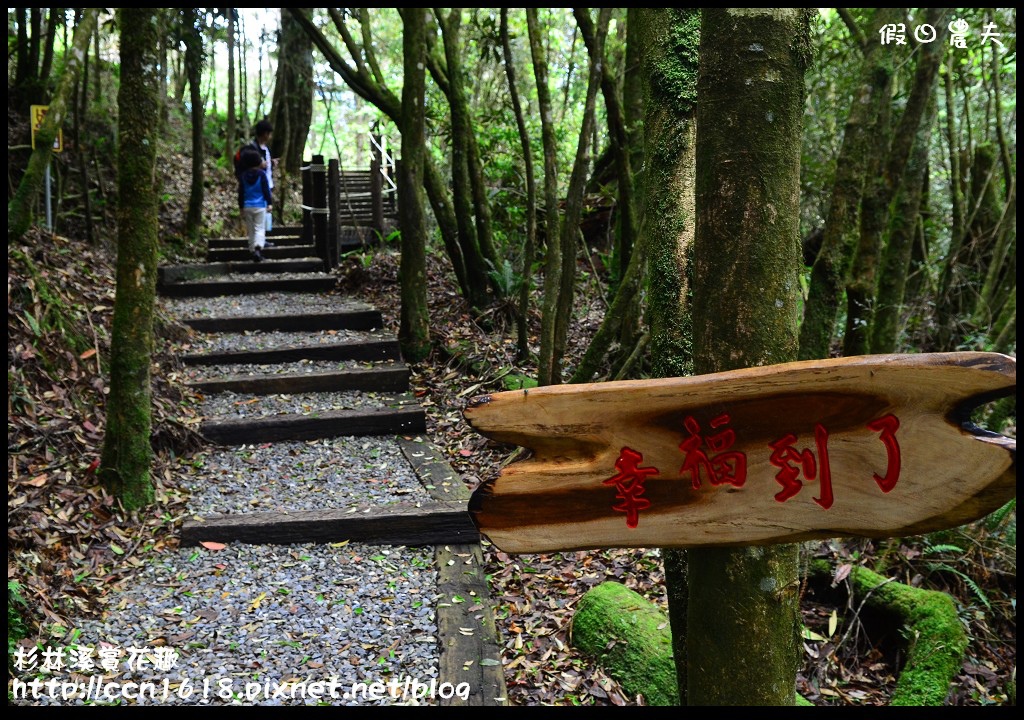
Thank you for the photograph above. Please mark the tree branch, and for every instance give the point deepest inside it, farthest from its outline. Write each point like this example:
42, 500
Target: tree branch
855, 31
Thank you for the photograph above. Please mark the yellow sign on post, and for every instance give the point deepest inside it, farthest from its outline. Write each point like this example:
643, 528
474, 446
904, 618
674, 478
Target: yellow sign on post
38, 114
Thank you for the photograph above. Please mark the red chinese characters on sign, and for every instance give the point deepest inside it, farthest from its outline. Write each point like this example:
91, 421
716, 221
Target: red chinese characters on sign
630, 485
784, 455
709, 456
792, 463
888, 426
724, 467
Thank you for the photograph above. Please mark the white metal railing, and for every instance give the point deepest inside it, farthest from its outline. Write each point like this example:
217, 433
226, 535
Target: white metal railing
387, 161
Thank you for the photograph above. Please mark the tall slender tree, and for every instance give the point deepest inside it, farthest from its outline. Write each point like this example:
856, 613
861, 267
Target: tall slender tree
192, 37
743, 614
229, 130
127, 453
530, 246
414, 329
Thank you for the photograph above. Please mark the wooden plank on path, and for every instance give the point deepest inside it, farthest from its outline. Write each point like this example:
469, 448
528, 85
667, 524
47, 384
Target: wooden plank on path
168, 274
216, 288
356, 319
398, 524
273, 253
376, 349
467, 636
872, 446
329, 423
383, 379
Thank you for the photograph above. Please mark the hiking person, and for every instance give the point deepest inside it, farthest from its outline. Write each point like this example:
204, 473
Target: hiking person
254, 199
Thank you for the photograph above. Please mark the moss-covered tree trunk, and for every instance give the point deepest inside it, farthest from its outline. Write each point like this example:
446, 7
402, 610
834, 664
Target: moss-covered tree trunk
462, 188
969, 257
743, 615
19, 208
902, 232
127, 453
530, 243
414, 327
832, 266
671, 39
883, 184
193, 38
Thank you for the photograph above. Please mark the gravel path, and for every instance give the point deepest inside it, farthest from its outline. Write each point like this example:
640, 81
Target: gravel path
301, 367
245, 616
222, 406
276, 625
335, 473
270, 303
226, 342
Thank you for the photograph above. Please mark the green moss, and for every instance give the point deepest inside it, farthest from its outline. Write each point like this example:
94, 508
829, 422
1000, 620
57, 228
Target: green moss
936, 640
518, 381
630, 639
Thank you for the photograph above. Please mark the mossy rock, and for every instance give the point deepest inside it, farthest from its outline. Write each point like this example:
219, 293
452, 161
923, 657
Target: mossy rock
630, 638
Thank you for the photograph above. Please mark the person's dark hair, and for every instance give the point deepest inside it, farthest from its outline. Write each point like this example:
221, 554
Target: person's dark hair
249, 158
263, 127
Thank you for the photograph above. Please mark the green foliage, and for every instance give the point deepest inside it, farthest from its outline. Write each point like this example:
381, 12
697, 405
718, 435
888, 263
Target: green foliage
16, 628
505, 278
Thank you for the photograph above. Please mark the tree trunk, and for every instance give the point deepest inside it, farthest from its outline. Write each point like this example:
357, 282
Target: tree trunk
414, 329
127, 452
292, 106
462, 191
901, 234
619, 139
194, 55
878, 198
561, 305
81, 150
553, 264
55, 16
952, 142
742, 638
830, 270
229, 133
968, 260
530, 245
670, 38
19, 208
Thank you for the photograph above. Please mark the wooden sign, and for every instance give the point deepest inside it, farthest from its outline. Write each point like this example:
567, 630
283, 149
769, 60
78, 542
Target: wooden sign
873, 446
38, 115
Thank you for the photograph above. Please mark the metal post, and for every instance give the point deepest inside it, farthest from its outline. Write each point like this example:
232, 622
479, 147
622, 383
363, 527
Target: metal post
49, 211
333, 202
319, 188
307, 205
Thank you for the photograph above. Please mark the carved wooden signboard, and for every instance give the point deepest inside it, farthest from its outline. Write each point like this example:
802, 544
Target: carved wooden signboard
871, 446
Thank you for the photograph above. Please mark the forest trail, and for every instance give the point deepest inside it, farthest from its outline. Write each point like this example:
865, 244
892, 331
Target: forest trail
326, 539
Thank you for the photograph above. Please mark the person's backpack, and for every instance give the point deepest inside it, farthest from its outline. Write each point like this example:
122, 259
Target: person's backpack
246, 157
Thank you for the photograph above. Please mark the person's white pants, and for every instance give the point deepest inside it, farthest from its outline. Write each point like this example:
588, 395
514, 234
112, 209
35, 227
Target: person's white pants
255, 227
